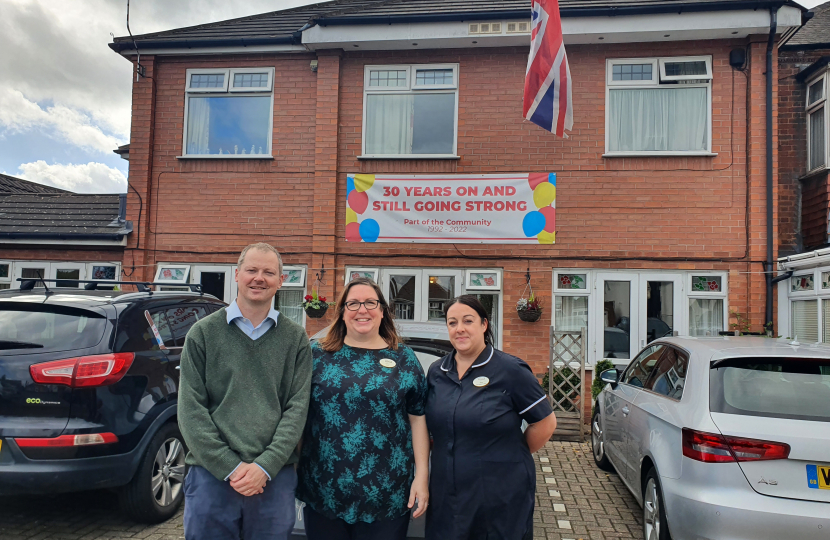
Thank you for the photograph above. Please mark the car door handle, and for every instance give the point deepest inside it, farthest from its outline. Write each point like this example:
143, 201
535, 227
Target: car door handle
625, 411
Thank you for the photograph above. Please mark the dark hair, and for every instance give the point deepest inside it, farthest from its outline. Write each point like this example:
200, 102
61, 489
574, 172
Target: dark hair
337, 331
473, 302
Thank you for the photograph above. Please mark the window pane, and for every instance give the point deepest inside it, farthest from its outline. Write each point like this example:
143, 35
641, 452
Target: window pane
571, 281
42, 329
617, 305
4, 270
705, 316
669, 377
706, 283
491, 305
632, 72
425, 77
103, 272
675, 69
181, 319
659, 309
571, 313
213, 283
228, 125
4, 286
250, 80
817, 138
658, 119
801, 283
816, 92
805, 320
441, 289
67, 274
637, 374
410, 124
33, 273
825, 304
825, 280
213, 80
402, 296
482, 280
387, 78
289, 303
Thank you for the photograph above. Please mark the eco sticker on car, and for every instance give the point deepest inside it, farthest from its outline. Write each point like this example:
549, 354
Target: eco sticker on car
155, 330
818, 477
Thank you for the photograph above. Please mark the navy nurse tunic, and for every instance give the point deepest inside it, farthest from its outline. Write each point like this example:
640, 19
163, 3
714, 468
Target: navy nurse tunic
483, 481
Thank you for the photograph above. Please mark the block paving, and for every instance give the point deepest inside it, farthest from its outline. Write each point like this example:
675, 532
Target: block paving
574, 500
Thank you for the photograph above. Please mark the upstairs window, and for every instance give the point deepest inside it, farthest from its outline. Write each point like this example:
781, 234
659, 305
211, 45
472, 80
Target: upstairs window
410, 111
228, 113
817, 123
659, 106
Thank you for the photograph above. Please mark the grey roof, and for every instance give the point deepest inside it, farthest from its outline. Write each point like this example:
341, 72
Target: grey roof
10, 185
62, 216
814, 34
285, 26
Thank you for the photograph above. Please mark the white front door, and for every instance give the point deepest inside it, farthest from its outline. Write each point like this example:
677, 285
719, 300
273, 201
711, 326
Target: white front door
614, 304
659, 307
441, 286
215, 280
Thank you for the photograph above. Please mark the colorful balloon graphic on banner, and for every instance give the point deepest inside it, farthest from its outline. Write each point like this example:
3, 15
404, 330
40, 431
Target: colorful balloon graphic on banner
357, 201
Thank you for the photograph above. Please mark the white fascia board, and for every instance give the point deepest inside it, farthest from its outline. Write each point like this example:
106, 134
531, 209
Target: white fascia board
812, 259
217, 50
576, 30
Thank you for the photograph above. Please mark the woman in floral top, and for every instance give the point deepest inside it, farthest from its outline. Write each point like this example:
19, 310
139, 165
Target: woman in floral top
365, 450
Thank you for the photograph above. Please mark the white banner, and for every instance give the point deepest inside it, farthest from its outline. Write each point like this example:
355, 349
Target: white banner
482, 208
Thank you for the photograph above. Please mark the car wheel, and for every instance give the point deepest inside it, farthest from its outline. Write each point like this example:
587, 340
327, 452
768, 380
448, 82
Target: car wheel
655, 525
157, 489
598, 443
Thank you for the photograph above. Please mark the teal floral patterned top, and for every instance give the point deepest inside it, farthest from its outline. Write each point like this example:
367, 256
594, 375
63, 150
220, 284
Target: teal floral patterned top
357, 462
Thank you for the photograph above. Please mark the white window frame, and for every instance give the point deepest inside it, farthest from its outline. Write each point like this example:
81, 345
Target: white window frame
671, 60
90, 267
691, 294
173, 282
658, 66
810, 108
476, 288
10, 276
409, 88
419, 310
571, 292
230, 91
458, 274
350, 269
301, 284
801, 294
197, 269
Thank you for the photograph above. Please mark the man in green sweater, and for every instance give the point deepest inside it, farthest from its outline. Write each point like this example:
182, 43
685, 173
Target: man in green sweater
243, 399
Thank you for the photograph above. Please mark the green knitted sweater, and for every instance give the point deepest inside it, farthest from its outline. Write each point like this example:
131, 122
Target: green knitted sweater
242, 399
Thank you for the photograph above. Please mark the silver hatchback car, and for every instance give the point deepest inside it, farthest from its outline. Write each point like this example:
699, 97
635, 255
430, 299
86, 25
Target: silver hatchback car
725, 438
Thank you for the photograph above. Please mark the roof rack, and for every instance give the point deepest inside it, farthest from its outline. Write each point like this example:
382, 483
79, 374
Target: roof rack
27, 284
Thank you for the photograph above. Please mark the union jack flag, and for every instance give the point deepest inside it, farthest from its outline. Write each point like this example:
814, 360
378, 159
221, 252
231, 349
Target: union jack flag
547, 98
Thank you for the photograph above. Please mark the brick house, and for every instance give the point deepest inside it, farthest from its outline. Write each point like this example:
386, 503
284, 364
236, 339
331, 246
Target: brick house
660, 188
804, 197
55, 234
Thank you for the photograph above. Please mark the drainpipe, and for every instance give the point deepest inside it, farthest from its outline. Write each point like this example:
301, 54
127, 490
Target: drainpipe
773, 26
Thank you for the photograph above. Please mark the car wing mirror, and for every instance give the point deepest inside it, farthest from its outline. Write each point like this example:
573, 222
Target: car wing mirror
610, 376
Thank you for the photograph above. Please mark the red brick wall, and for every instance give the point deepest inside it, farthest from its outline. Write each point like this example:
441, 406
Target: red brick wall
811, 230
633, 213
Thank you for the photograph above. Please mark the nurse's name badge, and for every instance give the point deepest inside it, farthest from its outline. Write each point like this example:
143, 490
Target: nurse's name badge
481, 381
387, 362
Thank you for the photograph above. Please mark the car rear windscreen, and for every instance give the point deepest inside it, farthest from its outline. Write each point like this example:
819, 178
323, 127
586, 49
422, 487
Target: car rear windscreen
795, 388
42, 328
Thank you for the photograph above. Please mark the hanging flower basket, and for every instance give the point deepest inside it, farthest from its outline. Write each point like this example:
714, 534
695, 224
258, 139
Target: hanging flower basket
315, 306
530, 308
316, 313
530, 315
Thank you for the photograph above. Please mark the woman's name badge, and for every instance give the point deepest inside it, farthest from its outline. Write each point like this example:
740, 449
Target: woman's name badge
481, 381
387, 362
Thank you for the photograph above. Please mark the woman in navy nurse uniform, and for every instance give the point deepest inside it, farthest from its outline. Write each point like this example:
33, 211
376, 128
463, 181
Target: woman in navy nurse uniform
482, 481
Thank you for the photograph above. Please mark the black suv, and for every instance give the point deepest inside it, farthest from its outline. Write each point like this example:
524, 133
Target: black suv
88, 387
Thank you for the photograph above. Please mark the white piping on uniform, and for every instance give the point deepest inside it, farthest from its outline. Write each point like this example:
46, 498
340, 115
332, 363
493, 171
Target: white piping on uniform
492, 350
538, 401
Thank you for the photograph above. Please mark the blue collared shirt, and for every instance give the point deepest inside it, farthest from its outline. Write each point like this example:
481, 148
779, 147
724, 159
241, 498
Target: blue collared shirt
254, 332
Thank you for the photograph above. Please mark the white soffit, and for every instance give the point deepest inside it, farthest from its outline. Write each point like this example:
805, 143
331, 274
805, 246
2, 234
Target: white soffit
577, 30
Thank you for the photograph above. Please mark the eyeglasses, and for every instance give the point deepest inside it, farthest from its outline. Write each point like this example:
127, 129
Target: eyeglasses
354, 305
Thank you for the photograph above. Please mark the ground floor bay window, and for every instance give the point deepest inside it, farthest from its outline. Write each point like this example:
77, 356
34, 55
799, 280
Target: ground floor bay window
804, 304
623, 311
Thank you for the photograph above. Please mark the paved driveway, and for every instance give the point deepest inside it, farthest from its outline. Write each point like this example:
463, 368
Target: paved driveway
575, 500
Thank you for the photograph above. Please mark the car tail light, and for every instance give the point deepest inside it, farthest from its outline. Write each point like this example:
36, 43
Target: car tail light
717, 448
68, 440
84, 371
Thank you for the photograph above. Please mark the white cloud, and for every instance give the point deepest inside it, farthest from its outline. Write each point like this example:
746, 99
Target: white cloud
88, 178
18, 114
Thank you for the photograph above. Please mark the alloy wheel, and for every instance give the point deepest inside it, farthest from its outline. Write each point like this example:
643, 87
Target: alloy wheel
168, 472
596, 439
651, 511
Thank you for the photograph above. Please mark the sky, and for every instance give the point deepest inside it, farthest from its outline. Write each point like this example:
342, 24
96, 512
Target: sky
65, 95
